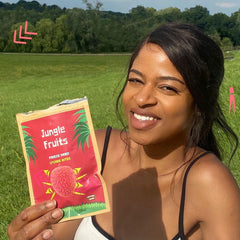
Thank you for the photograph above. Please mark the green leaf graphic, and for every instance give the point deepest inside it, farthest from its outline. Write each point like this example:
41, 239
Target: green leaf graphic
29, 145
81, 129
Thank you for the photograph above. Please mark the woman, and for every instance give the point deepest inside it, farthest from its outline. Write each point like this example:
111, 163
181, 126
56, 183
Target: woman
164, 175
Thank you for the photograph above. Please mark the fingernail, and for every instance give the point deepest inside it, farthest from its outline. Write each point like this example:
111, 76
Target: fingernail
47, 235
51, 204
57, 213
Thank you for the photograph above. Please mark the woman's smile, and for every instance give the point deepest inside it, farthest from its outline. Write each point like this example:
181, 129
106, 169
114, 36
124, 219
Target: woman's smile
143, 120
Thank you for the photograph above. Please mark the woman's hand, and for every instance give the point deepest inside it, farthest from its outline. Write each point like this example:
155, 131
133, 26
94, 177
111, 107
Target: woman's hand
35, 222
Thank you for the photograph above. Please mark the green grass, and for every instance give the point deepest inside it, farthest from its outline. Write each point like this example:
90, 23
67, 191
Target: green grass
31, 82
232, 79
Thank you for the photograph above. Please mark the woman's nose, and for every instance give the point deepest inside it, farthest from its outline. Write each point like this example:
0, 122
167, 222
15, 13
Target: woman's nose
145, 96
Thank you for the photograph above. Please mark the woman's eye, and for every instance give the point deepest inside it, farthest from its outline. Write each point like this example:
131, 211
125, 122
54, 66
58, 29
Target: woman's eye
134, 80
169, 89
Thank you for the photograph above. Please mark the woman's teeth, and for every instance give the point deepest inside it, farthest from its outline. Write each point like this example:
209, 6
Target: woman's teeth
144, 118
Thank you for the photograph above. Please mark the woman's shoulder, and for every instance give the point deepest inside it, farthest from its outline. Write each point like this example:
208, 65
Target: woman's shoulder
213, 192
210, 170
116, 139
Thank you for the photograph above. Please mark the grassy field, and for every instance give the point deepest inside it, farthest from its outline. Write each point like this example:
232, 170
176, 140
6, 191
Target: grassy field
31, 82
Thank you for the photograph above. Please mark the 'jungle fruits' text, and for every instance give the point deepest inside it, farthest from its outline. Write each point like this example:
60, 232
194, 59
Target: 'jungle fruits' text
54, 132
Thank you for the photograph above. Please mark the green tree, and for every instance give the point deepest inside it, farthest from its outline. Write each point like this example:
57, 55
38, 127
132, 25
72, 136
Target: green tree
2, 44
235, 30
77, 23
7, 19
86, 27
96, 5
170, 14
221, 22
227, 44
216, 37
93, 30
198, 16
13, 47
139, 12
46, 39
61, 33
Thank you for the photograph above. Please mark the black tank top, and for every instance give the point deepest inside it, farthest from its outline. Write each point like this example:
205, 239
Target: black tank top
180, 235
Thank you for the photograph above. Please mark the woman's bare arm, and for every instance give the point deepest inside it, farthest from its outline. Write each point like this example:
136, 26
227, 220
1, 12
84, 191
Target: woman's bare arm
66, 230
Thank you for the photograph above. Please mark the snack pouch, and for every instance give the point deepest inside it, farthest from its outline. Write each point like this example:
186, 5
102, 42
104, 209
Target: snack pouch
62, 158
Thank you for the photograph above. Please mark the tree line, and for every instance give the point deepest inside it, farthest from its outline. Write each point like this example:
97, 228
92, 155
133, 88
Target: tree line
77, 30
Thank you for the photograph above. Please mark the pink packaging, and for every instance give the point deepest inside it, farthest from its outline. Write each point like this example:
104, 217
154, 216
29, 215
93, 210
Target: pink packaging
62, 158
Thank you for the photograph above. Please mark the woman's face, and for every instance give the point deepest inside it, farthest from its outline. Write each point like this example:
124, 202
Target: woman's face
157, 103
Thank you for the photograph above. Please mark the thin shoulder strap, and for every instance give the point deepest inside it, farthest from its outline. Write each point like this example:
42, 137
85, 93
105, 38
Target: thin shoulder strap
105, 147
181, 211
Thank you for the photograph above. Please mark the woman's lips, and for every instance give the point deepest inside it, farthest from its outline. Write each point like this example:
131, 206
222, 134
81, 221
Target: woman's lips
143, 121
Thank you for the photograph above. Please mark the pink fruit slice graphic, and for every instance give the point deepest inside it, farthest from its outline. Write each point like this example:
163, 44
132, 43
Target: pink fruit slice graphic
63, 180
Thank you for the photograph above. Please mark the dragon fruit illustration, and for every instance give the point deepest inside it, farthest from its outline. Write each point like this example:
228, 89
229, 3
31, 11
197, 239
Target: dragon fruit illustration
63, 180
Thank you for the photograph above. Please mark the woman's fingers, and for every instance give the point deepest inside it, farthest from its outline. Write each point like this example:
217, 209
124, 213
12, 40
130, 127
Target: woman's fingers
35, 227
46, 235
32, 221
31, 213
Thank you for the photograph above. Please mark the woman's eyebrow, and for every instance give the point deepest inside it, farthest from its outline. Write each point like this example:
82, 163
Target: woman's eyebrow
137, 72
171, 78
160, 78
